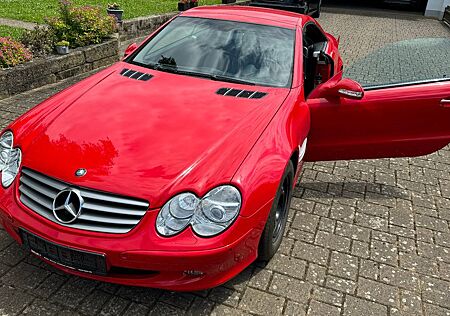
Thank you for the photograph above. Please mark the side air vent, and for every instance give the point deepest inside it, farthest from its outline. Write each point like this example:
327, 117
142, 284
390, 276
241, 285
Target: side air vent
133, 74
247, 94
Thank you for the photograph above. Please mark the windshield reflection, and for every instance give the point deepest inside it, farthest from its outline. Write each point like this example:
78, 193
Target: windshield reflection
249, 53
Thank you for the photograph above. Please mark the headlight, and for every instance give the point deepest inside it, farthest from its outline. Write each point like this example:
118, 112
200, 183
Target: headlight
176, 214
10, 159
208, 216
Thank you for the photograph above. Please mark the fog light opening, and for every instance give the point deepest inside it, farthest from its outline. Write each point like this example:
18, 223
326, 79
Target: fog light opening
193, 273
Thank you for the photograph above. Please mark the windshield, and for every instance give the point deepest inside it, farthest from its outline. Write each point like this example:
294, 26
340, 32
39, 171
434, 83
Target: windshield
222, 50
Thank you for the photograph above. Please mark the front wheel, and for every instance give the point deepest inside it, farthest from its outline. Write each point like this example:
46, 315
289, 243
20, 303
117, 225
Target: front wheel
276, 223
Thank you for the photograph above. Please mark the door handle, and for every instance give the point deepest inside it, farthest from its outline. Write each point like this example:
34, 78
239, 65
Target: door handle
445, 103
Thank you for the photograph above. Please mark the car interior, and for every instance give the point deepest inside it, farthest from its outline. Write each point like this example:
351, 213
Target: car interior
317, 66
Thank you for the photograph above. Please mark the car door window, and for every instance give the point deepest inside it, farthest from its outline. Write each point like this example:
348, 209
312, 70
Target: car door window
404, 62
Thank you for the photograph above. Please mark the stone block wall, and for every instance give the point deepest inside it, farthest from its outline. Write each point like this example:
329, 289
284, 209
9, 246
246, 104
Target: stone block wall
142, 26
42, 71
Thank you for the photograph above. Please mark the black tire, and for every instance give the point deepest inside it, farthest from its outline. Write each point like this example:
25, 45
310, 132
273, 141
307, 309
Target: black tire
316, 13
276, 222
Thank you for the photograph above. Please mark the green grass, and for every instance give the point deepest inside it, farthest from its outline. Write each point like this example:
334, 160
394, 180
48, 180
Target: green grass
13, 32
37, 10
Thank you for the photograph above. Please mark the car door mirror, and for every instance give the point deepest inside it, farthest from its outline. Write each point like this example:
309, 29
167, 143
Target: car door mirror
338, 88
349, 89
130, 49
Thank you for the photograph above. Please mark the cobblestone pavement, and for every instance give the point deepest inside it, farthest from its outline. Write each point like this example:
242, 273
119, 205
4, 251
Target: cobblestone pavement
365, 237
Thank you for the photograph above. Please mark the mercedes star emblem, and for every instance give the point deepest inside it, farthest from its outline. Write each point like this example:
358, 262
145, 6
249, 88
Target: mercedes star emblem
67, 205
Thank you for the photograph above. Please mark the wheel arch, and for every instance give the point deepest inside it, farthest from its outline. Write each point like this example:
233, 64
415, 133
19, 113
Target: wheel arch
294, 158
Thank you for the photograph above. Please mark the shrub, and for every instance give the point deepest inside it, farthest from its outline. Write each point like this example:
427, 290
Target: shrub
62, 43
39, 41
12, 53
81, 25
114, 6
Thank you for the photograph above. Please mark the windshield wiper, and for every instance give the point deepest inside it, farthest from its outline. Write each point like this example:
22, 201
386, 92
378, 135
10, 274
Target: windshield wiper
232, 80
176, 70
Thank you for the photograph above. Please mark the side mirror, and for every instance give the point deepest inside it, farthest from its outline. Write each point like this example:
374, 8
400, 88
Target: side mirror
349, 89
130, 49
343, 88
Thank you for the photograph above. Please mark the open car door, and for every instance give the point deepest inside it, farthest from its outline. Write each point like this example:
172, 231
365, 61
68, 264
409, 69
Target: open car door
406, 120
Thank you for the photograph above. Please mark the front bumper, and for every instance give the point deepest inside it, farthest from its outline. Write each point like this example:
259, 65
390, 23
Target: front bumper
143, 258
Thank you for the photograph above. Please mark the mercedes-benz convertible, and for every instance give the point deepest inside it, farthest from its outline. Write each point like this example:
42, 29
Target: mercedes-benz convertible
174, 168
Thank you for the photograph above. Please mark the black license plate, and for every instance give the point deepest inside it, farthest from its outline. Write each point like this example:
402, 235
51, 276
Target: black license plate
67, 257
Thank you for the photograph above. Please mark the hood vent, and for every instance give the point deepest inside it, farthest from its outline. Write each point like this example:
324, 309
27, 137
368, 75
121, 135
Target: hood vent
247, 94
133, 74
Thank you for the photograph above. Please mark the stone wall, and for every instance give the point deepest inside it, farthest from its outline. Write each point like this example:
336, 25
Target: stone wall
143, 26
42, 71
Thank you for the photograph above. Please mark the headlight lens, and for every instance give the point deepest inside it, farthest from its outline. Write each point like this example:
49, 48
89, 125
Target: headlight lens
176, 214
217, 210
6, 145
208, 216
10, 159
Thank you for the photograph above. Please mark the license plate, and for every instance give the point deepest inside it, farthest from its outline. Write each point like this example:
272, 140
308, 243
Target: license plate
75, 259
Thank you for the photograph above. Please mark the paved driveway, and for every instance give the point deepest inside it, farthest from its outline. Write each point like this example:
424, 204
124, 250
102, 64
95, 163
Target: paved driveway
365, 237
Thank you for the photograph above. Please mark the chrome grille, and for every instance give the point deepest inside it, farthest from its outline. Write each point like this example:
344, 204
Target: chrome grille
101, 212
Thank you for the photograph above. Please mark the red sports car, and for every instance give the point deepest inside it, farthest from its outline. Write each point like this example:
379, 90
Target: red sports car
175, 167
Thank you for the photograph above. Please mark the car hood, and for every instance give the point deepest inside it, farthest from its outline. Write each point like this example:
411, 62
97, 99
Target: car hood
148, 139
